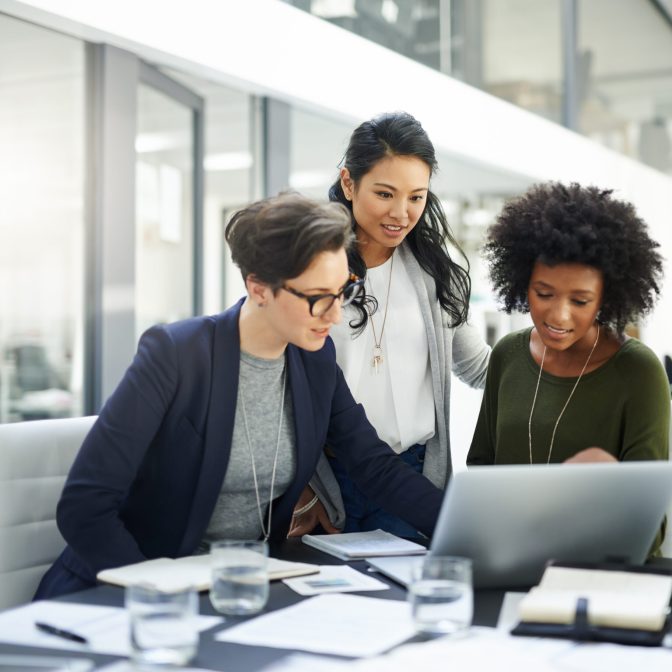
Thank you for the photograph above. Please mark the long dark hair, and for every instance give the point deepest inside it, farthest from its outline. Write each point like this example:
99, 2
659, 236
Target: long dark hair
400, 134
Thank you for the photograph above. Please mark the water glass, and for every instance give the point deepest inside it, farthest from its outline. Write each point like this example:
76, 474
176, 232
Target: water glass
163, 625
441, 595
239, 577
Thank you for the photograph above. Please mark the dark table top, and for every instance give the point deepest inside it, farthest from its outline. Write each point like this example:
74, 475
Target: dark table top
239, 658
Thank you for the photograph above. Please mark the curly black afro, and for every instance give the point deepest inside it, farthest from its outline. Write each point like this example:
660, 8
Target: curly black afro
554, 223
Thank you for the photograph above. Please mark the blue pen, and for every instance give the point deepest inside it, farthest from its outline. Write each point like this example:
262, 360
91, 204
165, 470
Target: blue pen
59, 632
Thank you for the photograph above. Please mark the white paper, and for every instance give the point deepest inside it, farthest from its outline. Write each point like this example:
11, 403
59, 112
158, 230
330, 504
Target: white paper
106, 628
306, 662
508, 614
346, 625
479, 650
335, 579
128, 666
488, 650
614, 658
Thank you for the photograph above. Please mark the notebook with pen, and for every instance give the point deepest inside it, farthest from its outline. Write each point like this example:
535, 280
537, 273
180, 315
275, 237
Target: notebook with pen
512, 519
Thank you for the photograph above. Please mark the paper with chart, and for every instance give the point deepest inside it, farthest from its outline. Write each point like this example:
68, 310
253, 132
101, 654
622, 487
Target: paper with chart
335, 579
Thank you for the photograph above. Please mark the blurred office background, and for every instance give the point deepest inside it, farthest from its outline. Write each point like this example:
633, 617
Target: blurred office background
129, 132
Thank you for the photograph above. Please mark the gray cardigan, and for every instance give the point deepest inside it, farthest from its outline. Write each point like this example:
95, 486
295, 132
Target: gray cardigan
460, 350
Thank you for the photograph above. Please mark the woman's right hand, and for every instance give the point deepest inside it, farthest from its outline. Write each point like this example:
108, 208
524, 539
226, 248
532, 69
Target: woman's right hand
304, 522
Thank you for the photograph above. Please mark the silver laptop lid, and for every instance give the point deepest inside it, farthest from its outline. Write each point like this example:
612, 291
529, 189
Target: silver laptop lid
512, 519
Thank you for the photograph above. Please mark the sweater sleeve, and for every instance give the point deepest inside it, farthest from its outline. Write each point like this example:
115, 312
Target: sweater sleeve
470, 356
482, 449
646, 415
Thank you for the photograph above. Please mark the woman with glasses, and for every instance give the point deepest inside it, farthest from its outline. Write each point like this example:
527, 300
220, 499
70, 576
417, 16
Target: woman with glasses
398, 346
219, 422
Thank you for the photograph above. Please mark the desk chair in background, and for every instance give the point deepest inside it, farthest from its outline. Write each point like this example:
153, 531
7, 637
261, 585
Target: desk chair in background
35, 458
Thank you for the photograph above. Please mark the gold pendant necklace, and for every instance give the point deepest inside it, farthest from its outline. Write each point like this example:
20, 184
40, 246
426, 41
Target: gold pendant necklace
378, 358
534, 401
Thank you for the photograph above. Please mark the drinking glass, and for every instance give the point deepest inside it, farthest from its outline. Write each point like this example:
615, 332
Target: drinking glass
441, 595
239, 577
163, 624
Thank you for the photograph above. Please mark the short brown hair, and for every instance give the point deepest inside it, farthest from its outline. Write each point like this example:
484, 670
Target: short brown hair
277, 238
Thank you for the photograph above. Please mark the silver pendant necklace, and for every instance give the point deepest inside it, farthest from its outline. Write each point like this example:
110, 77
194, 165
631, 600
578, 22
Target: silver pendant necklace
378, 358
534, 401
266, 531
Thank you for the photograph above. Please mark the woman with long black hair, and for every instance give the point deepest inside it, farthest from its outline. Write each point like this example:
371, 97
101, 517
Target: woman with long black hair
397, 346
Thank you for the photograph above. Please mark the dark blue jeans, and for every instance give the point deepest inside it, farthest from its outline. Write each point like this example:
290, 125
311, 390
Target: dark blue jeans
362, 515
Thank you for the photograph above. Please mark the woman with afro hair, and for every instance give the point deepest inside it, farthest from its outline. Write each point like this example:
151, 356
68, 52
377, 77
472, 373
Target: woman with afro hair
573, 387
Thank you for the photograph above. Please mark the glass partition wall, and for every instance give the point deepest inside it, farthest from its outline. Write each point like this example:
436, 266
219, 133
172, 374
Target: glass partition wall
42, 130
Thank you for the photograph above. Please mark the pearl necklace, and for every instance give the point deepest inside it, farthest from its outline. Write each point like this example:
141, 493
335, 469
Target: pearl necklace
534, 401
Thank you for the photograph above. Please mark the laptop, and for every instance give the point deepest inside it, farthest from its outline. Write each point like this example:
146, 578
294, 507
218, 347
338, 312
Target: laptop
512, 519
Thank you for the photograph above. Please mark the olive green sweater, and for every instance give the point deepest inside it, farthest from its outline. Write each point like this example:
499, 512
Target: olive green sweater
622, 407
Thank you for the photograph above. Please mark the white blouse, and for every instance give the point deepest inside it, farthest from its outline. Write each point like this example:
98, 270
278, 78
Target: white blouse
398, 399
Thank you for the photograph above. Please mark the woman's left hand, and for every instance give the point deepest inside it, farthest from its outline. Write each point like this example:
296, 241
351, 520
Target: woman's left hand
592, 454
309, 512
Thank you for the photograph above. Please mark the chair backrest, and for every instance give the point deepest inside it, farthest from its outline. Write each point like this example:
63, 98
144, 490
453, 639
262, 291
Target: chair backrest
35, 458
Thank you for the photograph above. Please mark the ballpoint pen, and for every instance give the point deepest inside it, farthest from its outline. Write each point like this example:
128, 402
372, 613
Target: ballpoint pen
59, 632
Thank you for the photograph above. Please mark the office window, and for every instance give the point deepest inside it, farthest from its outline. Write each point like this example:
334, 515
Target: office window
41, 222
232, 180
164, 210
414, 28
522, 54
317, 144
625, 93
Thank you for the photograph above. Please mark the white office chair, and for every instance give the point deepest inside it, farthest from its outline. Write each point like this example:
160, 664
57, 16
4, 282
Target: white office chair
35, 458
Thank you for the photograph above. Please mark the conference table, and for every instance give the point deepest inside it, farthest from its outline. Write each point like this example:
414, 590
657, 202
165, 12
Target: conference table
230, 657
216, 655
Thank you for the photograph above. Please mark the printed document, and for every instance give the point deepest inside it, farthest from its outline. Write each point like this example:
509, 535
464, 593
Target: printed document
345, 625
106, 628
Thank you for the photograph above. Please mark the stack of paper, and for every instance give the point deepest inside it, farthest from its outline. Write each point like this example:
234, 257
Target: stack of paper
615, 599
354, 545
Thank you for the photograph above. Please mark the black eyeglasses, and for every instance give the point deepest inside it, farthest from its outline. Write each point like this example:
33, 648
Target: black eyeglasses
322, 303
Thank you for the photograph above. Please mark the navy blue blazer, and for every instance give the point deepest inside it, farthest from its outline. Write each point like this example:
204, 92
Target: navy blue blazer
148, 475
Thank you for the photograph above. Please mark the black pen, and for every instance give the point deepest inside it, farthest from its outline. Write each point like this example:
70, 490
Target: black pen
59, 632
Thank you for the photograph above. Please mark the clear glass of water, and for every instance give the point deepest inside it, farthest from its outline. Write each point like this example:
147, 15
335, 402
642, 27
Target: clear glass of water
163, 625
441, 595
239, 577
